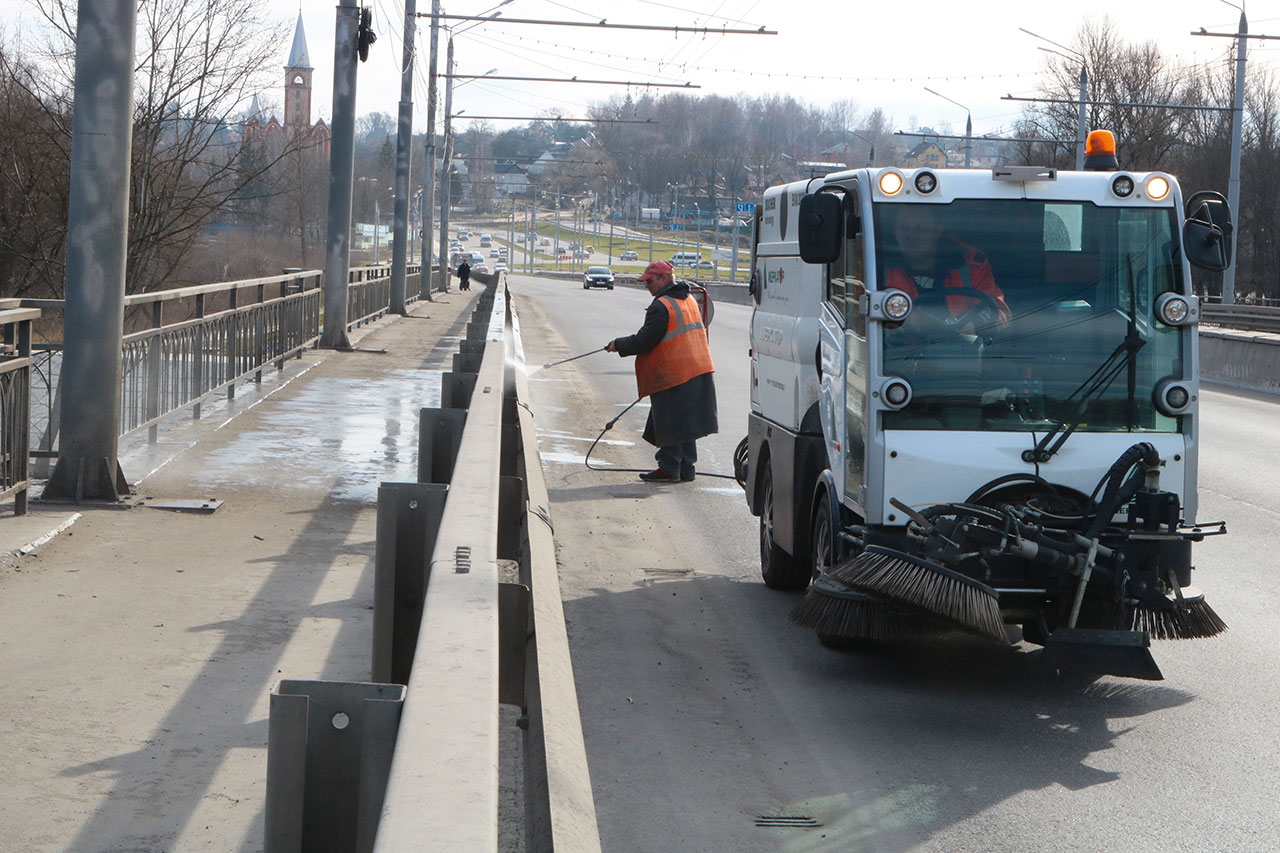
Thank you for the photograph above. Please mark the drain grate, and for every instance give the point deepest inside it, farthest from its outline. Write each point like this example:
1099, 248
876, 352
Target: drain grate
462, 559
788, 821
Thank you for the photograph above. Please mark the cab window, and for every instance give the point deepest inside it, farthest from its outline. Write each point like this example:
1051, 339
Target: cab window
845, 278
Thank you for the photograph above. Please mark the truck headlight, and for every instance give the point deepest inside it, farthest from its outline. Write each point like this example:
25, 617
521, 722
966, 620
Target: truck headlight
1172, 396
1122, 186
890, 182
890, 305
1157, 187
926, 182
897, 306
1176, 309
895, 393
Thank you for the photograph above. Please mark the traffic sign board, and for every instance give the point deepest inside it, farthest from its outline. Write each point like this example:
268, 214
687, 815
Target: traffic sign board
676, 226
745, 207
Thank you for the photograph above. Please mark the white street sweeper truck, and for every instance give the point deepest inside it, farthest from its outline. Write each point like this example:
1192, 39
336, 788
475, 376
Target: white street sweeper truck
974, 405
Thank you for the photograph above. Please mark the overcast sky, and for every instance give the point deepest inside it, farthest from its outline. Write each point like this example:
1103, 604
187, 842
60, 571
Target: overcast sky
877, 54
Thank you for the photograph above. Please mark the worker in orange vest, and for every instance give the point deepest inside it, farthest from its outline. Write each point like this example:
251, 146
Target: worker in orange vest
673, 369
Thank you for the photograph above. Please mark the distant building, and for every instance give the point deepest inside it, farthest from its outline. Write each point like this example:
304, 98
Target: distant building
927, 154
268, 129
511, 178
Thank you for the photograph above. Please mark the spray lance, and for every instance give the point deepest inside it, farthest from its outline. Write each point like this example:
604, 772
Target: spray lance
574, 358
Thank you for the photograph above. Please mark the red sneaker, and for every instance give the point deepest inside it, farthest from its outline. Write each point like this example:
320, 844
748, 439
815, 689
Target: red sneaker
657, 475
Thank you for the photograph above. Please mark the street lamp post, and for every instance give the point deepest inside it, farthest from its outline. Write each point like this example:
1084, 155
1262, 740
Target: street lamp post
968, 125
1082, 130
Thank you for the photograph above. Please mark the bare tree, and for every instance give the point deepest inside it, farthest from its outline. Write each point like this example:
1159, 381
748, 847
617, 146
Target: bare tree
35, 170
199, 61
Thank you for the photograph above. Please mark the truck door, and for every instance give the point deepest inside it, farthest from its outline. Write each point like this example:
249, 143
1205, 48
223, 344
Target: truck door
830, 360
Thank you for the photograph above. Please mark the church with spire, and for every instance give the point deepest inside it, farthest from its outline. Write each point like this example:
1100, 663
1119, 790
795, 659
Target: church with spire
269, 128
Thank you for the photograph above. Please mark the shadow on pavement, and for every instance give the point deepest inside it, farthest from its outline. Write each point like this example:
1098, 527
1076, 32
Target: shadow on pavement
723, 710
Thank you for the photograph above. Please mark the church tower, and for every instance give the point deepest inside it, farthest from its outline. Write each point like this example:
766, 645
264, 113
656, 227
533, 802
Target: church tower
297, 84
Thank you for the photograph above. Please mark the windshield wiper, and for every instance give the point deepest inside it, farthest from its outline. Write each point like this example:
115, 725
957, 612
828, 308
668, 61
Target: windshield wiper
1122, 357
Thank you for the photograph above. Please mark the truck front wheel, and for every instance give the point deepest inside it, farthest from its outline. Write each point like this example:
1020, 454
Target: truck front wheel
779, 569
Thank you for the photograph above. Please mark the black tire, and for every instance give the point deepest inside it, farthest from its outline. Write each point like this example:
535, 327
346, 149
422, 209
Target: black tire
611, 287
779, 569
586, 286
823, 550
822, 537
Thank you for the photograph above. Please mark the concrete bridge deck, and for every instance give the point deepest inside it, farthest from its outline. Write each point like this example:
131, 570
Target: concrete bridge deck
138, 647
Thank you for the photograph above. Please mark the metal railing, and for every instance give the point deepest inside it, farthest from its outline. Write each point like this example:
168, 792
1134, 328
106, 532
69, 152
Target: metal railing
183, 345
420, 770
15, 404
1257, 318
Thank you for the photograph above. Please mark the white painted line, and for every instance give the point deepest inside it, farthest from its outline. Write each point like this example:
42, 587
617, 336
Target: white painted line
172, 456
31, 546
268, 395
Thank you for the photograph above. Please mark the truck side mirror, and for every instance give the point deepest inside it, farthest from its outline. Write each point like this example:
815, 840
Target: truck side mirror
1206, 232
820, 228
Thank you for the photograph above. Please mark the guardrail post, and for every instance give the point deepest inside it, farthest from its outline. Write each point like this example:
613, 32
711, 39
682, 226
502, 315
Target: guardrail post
439, 436
329, 749
154, 346
408, 520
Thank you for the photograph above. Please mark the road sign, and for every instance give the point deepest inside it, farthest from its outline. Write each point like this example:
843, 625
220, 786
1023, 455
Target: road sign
676, 226
745, 207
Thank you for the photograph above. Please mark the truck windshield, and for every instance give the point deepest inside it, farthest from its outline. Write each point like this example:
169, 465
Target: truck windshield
1017, 304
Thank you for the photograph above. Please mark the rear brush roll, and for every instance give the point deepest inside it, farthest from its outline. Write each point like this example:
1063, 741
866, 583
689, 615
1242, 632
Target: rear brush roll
906, 581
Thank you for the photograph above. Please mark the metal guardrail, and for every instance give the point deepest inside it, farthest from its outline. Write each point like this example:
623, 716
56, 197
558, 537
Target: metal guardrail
462, 640
1257, 318
15, 405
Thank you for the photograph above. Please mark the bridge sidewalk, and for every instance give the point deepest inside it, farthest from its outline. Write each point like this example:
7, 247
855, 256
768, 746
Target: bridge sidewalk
138, 647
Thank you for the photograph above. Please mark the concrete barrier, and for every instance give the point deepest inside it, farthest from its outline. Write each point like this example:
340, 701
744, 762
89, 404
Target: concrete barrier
1239, 359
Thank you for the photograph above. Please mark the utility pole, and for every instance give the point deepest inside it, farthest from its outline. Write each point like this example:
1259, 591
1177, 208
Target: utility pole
97, 244
1082, 126
446, 185
1233, 177
341, 171
555, 239
429, 167
404, 160
531, 239
1241, 36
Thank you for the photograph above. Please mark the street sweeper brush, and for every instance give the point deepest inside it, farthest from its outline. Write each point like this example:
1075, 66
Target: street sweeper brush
911, 582
1189, 617
838, 613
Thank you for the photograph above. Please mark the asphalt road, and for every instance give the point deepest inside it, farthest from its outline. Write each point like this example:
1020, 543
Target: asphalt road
704, 709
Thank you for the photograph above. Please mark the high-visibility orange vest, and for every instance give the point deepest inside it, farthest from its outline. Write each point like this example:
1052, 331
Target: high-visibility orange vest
682, 353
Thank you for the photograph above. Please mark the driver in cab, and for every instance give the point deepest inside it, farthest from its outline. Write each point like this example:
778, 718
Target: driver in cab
933, 259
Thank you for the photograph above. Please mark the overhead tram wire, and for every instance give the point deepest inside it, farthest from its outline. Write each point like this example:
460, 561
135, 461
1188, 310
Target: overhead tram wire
575, 80
499, 40
603, 25
511, 48
691, 11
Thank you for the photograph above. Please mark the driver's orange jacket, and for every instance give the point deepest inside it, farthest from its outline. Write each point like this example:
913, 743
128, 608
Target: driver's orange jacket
975, 274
